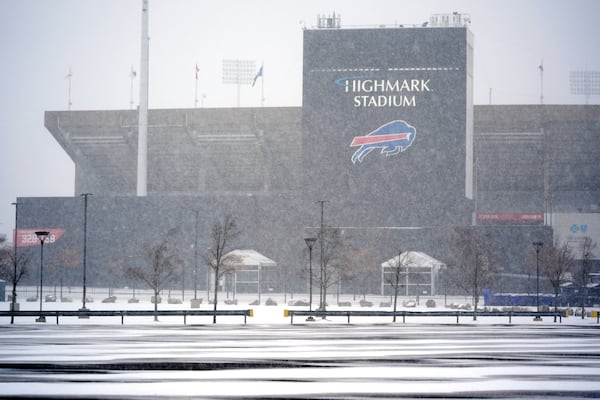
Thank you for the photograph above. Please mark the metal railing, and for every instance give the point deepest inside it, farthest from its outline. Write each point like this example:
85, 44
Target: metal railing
405, 314
123, 313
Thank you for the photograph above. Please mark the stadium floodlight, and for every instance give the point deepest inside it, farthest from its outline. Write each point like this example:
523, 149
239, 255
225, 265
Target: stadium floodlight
238, 72
586, 83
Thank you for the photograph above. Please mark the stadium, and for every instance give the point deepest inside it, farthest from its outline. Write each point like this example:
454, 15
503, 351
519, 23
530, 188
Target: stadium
387, 146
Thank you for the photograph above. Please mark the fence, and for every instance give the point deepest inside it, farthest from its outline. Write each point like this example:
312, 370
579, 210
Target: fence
404, 314
122, 314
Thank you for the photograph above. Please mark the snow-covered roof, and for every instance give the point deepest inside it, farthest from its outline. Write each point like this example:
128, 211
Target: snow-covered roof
250, 258
413, 259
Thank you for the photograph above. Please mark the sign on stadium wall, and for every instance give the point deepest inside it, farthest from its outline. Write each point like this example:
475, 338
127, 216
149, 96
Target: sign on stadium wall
27, 237
536, 218
574, 228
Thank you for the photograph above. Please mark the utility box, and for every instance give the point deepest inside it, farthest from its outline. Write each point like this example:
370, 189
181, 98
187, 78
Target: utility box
2, 290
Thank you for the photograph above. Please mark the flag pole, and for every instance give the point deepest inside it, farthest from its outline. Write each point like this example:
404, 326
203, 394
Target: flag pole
132, 75
196, 88
542, 82
262, 86
69, 75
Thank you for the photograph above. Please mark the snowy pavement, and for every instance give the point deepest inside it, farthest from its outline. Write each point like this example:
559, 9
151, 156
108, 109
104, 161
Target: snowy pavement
268, 357
309, 360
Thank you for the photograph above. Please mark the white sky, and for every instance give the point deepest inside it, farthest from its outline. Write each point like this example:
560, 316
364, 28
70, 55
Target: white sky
100, 41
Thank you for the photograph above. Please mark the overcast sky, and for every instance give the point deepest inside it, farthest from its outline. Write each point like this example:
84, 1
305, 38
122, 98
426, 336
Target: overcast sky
99, 40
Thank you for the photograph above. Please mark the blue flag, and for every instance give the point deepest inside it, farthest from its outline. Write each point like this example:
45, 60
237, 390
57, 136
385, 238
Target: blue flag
258, 75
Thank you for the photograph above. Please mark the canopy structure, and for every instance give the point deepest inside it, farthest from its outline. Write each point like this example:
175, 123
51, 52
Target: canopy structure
250, 258
419, 273
251, 271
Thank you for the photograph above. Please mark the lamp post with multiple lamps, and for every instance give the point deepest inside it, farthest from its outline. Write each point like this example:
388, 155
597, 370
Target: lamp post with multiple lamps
537, 246
42, 235
83, 309
310, 242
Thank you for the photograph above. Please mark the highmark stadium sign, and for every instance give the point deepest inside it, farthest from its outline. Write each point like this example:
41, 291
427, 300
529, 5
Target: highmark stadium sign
370, 92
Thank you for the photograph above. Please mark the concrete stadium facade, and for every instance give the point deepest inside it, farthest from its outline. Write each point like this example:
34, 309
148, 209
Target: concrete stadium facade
506, 169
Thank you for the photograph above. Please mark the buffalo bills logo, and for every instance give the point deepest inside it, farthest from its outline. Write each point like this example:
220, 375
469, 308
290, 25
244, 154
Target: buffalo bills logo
392, 138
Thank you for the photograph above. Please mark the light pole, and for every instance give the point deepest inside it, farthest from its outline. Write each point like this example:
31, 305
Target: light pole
196, 257
14, 277
537, 246
322, 301
85, 201
42, 235
310, 242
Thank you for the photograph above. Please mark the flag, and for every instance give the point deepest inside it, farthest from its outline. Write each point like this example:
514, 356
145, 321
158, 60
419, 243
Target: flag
197, 70
258, 75
133, 73
541, 66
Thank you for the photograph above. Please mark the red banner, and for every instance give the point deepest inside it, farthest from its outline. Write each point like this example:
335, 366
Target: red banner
511, 217
27, 237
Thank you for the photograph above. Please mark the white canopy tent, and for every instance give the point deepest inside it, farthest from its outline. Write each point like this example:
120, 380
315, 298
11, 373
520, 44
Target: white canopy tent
248, 266
419, 272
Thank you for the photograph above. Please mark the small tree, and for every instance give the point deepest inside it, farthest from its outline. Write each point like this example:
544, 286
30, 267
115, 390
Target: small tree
474, 269
358, 265
68, 259
587, 248
217, 258
398, 265
555, 265
332, 260
161, 269
12, 269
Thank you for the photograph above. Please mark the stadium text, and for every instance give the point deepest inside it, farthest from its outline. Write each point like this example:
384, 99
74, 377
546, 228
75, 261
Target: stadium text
384, 92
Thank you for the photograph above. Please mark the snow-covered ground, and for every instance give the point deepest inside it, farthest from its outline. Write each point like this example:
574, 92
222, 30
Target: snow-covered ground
268, 357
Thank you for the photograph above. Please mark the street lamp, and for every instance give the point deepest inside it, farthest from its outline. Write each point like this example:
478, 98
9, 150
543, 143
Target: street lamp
42, 235
85, 201
196, 257
310, 242
537, 246
15, 262
322, 300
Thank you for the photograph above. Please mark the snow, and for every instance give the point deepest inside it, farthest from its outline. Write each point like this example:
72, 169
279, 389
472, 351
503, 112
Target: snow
371, 357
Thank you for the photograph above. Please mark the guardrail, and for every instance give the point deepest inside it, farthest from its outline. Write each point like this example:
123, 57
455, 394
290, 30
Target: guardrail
124, 313
404, 314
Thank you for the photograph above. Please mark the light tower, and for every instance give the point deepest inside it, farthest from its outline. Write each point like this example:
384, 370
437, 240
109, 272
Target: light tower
142, 160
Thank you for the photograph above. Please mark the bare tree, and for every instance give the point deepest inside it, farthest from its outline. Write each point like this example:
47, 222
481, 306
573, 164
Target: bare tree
332, 260
555, 265
69, 259
474, 268
12, 270
162, 268
217, 258
116, 269
587, 248
399, 266
358, 264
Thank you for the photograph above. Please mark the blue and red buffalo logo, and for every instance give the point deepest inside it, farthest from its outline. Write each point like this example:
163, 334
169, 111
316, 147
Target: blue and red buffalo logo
392, 138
